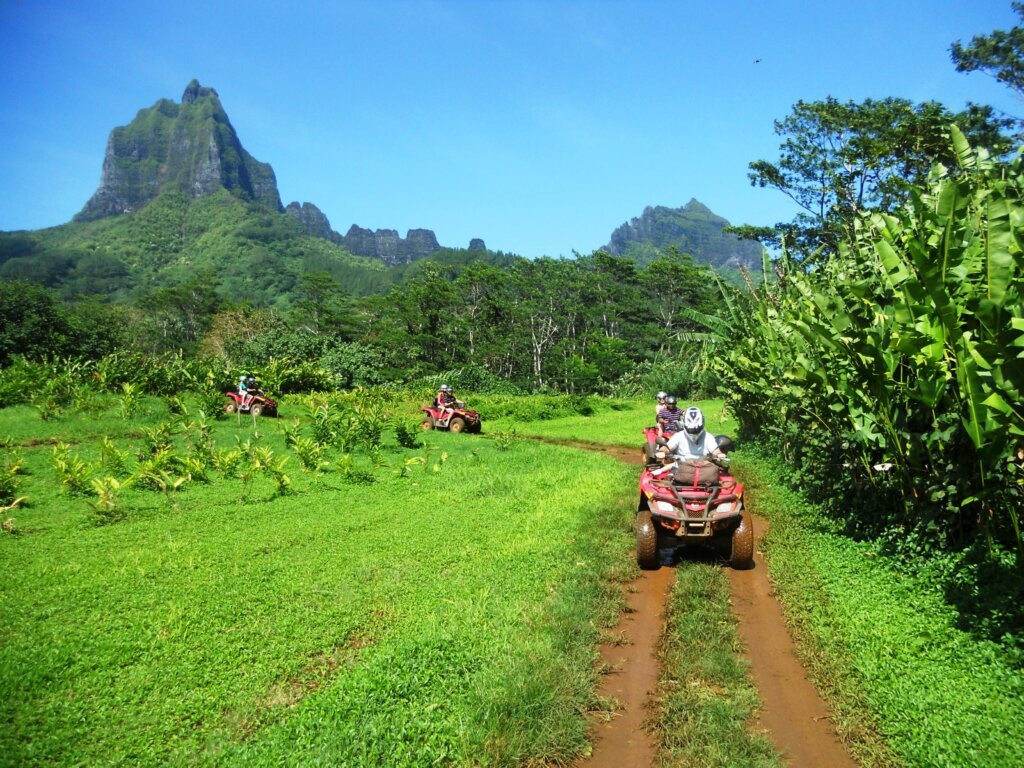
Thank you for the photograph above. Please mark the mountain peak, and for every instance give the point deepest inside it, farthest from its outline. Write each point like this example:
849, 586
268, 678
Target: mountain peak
189, 147
194, 91
694, 229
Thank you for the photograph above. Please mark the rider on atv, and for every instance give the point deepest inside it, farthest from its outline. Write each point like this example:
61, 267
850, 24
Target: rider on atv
669, 416
247, 388
445, 400
693, 441
662, 396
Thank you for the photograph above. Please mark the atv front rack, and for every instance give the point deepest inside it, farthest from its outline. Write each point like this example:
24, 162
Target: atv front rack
692, 508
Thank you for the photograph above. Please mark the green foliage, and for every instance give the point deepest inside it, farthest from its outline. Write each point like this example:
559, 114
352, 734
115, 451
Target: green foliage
71, 470
11, 469
38, 326
900, 397
840, 160
407, 433
105, 503
999, 54
891, 655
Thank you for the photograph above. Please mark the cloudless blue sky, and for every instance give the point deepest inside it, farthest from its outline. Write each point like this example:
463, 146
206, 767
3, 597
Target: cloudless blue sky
537, 126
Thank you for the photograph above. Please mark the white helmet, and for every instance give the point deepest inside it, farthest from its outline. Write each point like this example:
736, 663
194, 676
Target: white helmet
662, 395
693, 421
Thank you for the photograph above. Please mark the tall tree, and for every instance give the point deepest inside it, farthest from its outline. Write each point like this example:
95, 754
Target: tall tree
177, 317
999, 54
839, 160
322, 305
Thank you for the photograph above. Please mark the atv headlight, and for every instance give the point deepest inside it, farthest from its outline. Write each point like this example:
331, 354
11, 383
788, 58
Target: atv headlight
664, 507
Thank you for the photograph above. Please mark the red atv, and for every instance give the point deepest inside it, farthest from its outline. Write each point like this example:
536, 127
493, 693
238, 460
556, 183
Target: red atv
692, 502
259, 404
456, 419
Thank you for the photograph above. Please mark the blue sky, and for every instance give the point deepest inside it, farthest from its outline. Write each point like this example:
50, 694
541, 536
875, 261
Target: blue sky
537, 126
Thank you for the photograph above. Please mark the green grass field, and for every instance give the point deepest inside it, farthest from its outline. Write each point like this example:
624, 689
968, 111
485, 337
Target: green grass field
240, 604
446, 612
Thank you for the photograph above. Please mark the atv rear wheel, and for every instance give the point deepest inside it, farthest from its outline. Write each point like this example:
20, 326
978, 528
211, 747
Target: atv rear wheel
646, 541
742, 554
457, 424
231, 407
426, 424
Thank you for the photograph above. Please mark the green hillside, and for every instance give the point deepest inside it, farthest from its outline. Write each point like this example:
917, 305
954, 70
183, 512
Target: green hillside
254, 255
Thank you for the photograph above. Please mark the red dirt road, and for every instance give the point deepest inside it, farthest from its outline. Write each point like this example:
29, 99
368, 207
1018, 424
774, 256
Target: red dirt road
793, 714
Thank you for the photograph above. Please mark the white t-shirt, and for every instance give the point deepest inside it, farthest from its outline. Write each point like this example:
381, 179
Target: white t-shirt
685, 447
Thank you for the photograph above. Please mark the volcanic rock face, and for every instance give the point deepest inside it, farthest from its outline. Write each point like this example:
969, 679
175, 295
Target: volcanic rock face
190, 146
313, 221
382, 244
386, 245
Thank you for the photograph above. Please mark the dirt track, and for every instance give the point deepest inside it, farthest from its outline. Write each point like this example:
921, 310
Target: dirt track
793, 714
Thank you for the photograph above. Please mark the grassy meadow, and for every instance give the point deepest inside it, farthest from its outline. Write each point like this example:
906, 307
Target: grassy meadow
438, 604
178, 591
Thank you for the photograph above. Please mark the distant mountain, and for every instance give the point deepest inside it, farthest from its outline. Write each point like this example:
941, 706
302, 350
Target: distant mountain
693, 229
192, 148
181, 199
189, 147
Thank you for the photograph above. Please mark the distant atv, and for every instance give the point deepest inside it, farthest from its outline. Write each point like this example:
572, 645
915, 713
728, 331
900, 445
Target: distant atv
258, 405
460, 419
692, 502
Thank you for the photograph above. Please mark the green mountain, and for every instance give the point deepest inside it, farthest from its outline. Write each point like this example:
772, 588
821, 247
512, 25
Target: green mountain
181, 200
189, 147
250, 253
693, 229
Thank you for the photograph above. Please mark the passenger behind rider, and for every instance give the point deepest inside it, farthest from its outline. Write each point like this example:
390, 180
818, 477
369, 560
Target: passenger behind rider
662, 396
693, 441
669, 416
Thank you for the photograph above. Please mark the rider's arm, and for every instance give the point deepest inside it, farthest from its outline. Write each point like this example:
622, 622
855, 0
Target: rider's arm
711, 447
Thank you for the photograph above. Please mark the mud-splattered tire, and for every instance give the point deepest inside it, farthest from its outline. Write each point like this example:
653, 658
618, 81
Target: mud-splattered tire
231, 407
457, 424
256, 409
427, 424
741, 556
646, 541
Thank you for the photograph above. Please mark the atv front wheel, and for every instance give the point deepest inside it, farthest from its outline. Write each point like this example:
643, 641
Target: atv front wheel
457, 424
742, 554
256, 409
646, 541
